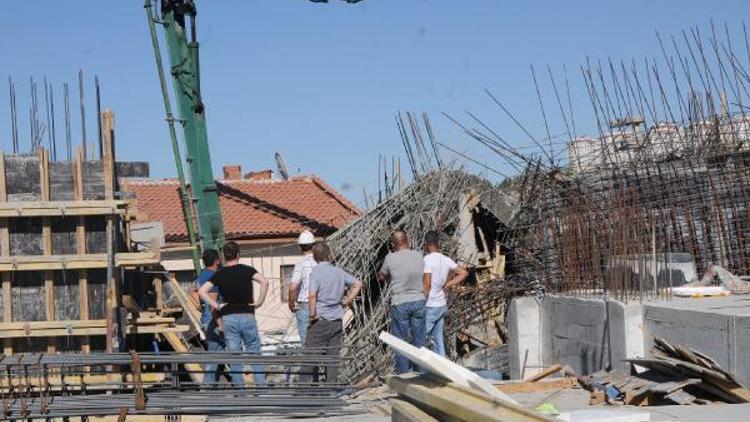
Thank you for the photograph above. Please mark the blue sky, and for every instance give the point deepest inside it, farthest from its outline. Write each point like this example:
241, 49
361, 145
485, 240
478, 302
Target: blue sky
320, 83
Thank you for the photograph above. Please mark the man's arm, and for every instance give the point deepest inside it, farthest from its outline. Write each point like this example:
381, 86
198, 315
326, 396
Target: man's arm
384, 273
294, 284
459, 275
426, 284
312, 300
258, 278
352, 294
205, 295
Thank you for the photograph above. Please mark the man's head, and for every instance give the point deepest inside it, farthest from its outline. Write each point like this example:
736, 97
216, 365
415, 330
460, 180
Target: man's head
306, 241
399, 240
211, 259
432, 241
231, 251
321, 252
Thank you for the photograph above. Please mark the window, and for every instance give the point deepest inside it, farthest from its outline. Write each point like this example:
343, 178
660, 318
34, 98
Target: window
286, 277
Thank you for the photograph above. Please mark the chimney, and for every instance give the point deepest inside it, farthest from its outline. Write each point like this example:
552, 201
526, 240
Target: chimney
232, 172
260, 175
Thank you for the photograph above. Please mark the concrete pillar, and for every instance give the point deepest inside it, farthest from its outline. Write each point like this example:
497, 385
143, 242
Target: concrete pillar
525, 337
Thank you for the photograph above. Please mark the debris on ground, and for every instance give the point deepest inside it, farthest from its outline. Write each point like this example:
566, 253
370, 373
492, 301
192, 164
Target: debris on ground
674, 375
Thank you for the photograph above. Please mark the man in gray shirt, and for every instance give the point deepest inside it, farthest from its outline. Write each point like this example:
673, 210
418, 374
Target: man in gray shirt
403, 268
331, 291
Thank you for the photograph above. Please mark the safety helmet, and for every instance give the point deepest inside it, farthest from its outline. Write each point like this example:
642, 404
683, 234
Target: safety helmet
306, 238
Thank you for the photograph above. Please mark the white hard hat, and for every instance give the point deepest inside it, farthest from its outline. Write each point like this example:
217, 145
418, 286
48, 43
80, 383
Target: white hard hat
306, 238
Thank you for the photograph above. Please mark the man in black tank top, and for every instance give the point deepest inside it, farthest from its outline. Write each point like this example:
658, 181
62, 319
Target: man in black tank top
235, 282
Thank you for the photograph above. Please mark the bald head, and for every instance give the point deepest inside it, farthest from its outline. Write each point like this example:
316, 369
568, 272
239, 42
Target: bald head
399, 240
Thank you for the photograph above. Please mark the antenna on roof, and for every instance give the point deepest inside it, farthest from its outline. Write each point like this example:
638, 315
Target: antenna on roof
281, 166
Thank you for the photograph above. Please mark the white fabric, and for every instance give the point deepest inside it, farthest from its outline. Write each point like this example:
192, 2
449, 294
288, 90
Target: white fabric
301, 277
440, 267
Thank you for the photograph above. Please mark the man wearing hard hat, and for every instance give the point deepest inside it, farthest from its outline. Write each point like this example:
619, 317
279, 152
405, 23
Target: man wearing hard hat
299, 285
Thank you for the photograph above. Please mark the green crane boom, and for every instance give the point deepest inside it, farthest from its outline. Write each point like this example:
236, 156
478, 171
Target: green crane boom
182, 49
200, 202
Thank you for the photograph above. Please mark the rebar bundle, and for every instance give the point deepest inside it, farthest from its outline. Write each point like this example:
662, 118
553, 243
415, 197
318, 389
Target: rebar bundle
79, 385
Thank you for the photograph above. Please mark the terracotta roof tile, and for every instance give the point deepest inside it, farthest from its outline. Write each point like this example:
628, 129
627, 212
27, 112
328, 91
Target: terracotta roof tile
251, 208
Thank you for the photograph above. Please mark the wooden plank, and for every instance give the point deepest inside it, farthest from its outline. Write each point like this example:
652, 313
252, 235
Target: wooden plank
5, 251
83, 282
544, 374
530, 387
76, 323
461, 404
403, 411
62, 208
83, 300
49, 282
92, 331
108, 163
75, 262
85, 328
178, 344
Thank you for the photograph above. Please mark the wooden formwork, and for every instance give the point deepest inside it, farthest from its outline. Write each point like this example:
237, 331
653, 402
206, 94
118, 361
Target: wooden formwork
54, 224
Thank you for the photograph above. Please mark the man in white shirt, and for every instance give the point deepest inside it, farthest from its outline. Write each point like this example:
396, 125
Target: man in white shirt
436, 281
299, 285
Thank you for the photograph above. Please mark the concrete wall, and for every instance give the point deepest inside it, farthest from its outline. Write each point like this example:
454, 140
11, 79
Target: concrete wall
718, 328
593, 334
587, 334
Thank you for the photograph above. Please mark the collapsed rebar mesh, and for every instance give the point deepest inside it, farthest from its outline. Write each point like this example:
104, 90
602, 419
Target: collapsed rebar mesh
433, 202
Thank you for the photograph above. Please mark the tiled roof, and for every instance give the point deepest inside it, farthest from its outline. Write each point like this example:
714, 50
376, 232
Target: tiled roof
251, 209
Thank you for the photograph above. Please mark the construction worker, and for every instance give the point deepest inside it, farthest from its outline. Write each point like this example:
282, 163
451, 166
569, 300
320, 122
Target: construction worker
298, 285
437, 269
210, 321
403, 268
235, 282
331, 291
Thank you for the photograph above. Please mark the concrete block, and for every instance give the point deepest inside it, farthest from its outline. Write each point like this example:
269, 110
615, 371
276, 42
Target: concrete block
741, 350
578, 333
625, 333
524, 336
707, 332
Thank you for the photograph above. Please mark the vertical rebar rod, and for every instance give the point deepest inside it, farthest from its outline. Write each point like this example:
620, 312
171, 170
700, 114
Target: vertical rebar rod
99, 115
83, 114
68, 139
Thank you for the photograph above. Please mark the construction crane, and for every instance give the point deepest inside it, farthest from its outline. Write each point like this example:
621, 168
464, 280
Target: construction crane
200, 200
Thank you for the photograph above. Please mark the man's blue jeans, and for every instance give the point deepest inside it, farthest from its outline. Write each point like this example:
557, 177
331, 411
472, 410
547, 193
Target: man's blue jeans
239, 329
302, 315
408, 324
214, 343
435, 327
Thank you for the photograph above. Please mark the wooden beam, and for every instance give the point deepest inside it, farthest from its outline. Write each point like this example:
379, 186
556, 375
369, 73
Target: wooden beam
91, 331
531, 387
544, 374
457, 402
75, 262
403, 411
83, 283
86, 328
108, 159
5, 251
62, 208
